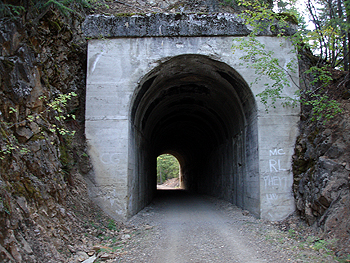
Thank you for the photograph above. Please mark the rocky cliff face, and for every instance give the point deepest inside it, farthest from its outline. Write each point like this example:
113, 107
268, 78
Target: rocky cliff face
321, 167
44, 207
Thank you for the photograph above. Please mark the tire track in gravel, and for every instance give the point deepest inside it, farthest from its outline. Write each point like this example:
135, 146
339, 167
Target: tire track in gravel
182, 227
195, 231
194, 228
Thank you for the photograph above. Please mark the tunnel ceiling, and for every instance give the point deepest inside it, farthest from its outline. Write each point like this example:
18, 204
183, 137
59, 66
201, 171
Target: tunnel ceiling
189, 105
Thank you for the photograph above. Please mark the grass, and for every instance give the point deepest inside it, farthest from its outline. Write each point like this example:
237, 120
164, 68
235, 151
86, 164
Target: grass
305, 244
291, 233
112, 225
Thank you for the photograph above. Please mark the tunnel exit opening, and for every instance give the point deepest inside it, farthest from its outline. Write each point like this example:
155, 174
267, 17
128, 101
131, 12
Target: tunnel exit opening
169, 174
202, 110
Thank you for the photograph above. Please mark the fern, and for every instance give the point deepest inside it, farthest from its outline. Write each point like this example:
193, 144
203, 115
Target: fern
60, 5
12, 11
41, 6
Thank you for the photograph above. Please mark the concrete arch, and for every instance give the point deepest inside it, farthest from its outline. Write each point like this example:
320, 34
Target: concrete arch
204, 111
141, 89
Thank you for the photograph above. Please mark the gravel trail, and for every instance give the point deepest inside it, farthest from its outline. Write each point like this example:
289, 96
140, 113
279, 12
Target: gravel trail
182, 227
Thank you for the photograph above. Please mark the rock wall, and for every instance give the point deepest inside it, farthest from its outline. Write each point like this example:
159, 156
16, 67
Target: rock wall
321, 165
43, 198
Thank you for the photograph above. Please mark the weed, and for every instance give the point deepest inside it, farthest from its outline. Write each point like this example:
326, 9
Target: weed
280, 240
4, 206
114, 249
291, 233
111, 225
103, 250
294, 248
320, 244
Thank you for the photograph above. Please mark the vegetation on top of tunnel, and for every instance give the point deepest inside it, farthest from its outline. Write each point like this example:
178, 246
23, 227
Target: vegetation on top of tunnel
36, 9
328, 40
167, 168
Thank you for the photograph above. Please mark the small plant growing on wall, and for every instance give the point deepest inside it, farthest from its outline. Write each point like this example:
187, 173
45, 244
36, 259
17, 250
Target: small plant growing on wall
55, 107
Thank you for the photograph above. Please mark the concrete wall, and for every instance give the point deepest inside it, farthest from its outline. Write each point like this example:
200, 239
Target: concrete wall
134, 88
115, 69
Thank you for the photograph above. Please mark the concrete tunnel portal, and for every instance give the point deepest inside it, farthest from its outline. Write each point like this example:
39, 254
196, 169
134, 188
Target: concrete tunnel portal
203, 112
163, 83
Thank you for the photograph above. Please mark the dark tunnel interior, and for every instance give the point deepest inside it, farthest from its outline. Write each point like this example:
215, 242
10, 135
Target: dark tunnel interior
201, 111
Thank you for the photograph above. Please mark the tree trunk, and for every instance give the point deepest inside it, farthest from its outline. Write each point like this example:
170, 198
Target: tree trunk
343, 35
347, 12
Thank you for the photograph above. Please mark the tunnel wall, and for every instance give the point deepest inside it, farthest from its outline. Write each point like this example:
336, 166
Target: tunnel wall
141, 166
121, 155
234, 168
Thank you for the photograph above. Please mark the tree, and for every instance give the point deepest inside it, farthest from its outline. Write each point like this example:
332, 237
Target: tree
324, 39
167, 167
331, 35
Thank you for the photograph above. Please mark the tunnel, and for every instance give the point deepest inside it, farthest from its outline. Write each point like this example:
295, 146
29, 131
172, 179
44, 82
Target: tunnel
203, 112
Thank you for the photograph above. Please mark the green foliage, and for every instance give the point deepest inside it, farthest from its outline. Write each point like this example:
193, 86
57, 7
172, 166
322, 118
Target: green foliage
64, 6
330, 36
167, 167
265, 63
322, 106
321, 75
57, 107
9, 142
112, 225
260, 16
318, 244
8, 10
291, 233
41, 6
4, 206
248, 4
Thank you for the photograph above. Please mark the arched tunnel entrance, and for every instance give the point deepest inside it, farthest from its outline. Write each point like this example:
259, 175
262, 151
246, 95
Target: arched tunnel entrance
203, 112
168, 172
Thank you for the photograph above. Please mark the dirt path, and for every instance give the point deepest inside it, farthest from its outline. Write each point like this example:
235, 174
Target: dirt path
189, 228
